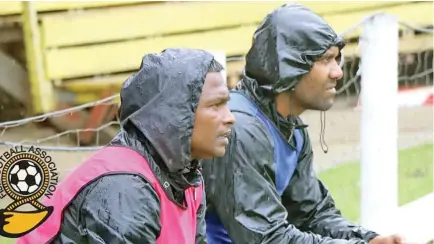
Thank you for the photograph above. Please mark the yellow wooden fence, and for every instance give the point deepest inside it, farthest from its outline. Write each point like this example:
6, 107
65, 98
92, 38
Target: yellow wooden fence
85, 48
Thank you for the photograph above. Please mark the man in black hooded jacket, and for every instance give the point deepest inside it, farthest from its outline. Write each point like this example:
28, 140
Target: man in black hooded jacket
264, 189
173, 113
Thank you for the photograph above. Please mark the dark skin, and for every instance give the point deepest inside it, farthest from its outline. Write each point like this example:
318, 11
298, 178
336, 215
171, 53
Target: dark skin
316, 91
213, 119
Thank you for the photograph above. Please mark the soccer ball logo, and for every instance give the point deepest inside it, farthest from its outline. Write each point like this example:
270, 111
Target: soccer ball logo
25, 177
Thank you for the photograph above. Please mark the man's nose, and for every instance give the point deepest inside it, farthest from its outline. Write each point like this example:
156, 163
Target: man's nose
229, 118
336, 73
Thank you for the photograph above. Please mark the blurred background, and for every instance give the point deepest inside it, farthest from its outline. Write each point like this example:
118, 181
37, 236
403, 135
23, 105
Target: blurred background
75, 55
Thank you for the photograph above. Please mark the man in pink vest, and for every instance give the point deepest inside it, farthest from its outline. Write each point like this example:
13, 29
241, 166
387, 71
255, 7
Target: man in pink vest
146, 186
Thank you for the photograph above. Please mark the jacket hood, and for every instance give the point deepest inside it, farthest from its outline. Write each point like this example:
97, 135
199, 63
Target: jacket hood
285, 46
160, 100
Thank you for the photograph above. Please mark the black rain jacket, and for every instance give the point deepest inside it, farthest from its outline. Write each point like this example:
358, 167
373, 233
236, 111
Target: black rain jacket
157, 112
240, 186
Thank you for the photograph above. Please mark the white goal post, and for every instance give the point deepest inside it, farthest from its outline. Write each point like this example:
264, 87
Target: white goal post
379, 138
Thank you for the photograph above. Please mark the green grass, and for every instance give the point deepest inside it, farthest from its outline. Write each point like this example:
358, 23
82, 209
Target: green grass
415, 180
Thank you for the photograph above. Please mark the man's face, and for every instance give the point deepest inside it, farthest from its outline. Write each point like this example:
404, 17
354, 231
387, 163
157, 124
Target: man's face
316, 90
213, 119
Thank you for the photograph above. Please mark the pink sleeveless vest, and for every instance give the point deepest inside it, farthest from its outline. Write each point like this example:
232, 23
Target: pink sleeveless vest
178, 226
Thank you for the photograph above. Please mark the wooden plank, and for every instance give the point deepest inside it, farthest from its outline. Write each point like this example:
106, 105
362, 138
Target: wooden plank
417, 14
14, 7
125, 56
41, 88
10, 7
416, 44
95, 84
412, 44
99, 25
141, 21
234, 68
338, 7
91, 85
408, 45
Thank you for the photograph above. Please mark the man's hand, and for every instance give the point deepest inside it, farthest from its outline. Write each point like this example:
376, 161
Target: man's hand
393, 239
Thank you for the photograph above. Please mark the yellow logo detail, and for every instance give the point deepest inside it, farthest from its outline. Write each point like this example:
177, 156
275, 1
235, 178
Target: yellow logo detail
26, 175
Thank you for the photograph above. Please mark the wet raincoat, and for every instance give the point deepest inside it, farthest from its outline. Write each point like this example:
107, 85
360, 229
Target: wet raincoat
255, 193
158, 106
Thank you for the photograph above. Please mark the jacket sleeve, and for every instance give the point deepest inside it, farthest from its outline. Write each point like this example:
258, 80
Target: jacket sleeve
241, 189
312, 207
201, 225
117, 209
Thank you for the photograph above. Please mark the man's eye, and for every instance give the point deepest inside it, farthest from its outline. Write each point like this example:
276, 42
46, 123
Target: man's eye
217, 105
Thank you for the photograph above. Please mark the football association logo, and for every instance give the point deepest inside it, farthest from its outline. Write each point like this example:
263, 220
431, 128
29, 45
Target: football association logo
26, 175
